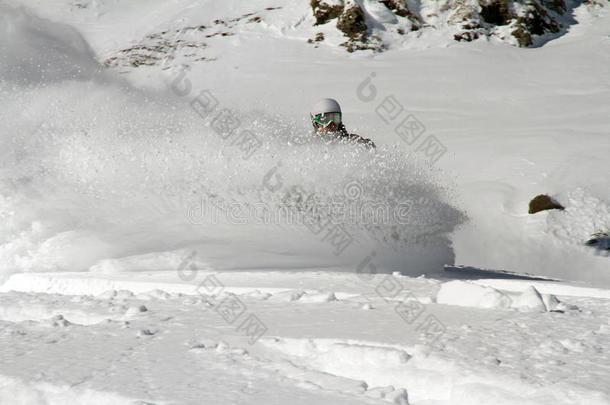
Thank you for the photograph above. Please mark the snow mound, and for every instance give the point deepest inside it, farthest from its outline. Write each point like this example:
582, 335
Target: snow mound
529, 299
469, 294
287, 296
318, 297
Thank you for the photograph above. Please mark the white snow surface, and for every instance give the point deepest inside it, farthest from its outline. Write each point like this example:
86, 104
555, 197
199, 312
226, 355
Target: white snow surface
113, 277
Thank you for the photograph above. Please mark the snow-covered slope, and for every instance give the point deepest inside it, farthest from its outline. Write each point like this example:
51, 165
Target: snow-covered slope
322, 337
137, 168
125, 202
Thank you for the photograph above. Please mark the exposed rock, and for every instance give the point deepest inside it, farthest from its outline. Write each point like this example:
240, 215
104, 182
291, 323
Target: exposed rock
527, 22
558, 6
543, 202
318, 38
496, 12
473, 30
460, 11
352, 21
400, 8
326, 10
527, 18
466, 36
363, 44
536, 21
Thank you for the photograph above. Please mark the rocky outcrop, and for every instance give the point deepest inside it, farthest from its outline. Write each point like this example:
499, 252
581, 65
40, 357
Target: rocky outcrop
400, 8
352, 21
519, 22
496, 12
326, 10
525, 19
535, 21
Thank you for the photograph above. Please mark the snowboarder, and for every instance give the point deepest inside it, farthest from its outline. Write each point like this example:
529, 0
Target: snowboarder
327, 122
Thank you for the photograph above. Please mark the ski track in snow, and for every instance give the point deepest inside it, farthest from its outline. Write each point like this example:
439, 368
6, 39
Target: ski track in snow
323, 351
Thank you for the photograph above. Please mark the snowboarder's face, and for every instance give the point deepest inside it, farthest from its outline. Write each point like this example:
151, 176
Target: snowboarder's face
332, 127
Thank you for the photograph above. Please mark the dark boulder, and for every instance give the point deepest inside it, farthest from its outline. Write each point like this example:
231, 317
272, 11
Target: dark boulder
543, 202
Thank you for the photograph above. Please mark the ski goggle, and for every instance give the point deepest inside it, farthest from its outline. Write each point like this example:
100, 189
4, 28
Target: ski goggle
327, 118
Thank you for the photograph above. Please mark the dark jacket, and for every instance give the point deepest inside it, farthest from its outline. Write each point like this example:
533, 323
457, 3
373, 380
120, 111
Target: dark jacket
342, 134
355, 137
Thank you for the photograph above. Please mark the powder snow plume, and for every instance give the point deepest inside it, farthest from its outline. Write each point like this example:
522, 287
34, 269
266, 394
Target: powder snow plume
94, 168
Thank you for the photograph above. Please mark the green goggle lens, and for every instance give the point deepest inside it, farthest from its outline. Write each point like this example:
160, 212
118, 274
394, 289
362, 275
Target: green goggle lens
327, 118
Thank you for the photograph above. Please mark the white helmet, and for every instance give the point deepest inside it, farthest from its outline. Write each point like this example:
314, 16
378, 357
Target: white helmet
326, 105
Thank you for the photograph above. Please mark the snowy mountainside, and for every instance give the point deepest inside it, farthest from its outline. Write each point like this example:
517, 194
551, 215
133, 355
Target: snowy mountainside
149, 255
169, 53
369, 25
351, 25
